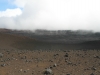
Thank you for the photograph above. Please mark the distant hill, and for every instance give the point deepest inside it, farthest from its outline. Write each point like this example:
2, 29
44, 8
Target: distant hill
43, 39
60, 36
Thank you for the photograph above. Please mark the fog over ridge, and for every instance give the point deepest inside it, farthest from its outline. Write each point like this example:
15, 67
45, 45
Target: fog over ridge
54, 15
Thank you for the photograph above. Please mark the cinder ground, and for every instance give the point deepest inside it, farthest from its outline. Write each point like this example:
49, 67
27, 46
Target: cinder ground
68, 62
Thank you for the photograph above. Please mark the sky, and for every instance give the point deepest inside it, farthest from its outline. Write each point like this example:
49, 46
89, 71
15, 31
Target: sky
50, 14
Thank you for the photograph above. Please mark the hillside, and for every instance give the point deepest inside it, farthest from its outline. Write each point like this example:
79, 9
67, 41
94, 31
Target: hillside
29, 40
9, 41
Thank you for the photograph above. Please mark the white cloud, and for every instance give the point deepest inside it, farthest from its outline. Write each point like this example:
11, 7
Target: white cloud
57, 14
11, 12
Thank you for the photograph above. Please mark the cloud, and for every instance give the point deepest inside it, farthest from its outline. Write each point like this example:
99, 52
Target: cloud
55, 15
10, 12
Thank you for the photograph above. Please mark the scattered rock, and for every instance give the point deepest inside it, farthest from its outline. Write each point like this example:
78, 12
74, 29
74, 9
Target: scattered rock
21, 70
48, 71
69, 63
97, 57
8, 59
50, 67
65, 51
32, 73
1, 55
55, 65
67, 74
56, 54
23, 57
86, 69
93, 68
2, 60
25, 71
28, 69
2, 65
50, 60
66, 55
91, 74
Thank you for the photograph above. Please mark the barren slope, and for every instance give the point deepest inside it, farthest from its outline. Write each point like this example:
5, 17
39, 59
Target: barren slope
12, 41
8, 41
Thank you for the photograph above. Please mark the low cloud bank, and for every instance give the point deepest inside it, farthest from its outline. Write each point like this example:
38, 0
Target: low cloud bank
52, 15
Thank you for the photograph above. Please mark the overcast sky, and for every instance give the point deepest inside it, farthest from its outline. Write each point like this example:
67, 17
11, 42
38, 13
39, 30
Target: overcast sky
50, 14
